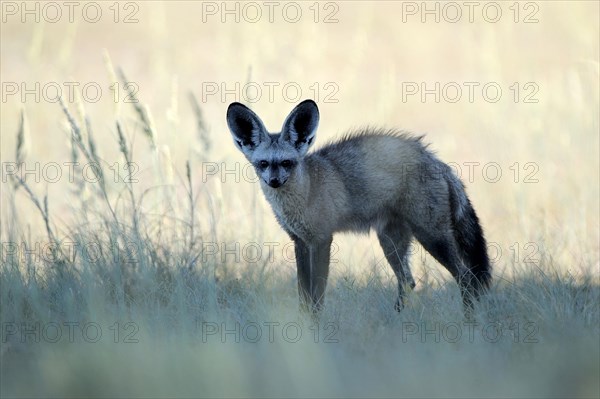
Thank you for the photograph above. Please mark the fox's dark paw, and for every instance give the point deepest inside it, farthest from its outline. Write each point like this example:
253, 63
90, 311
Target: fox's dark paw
399, 305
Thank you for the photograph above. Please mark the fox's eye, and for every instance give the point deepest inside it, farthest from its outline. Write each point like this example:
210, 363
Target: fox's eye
263, 164
286, 163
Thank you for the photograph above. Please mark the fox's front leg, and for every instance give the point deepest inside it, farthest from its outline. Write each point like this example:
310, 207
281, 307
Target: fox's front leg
303, 266
312, 261
319, 260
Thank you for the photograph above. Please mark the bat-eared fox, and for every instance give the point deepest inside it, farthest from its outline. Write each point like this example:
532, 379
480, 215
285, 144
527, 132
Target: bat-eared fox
380, 179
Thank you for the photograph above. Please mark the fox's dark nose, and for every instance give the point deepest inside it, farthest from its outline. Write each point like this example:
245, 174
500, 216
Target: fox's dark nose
275, 182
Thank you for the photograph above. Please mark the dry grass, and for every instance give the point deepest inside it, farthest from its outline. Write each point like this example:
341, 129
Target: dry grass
162, 253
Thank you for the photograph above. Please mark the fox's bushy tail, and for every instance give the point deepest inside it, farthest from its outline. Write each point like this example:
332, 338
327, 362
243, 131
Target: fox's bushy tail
469, 234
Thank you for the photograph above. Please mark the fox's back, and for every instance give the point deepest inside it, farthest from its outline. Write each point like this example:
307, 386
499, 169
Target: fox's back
375, 173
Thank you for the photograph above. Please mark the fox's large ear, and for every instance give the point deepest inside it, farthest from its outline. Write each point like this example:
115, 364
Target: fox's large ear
246, 127
301, 124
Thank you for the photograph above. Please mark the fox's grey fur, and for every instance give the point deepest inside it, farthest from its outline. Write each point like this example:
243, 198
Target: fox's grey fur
380, 179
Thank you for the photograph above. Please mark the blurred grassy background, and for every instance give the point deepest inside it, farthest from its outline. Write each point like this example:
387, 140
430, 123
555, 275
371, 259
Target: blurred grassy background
548, 214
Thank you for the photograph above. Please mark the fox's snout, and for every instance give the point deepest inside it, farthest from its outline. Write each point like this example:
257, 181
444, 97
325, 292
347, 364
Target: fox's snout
275, 182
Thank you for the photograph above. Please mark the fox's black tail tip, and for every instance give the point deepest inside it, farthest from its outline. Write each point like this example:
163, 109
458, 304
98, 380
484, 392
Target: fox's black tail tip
469, 235
478, 257
473, 247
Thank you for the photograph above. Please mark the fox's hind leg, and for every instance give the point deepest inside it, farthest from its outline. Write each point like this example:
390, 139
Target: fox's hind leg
443, 247
394, 239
